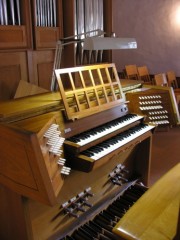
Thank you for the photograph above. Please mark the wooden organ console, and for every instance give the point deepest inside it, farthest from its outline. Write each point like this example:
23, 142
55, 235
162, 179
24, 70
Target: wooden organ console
72, 163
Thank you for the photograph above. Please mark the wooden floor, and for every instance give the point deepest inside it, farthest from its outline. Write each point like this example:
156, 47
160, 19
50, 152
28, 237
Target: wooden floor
165, 152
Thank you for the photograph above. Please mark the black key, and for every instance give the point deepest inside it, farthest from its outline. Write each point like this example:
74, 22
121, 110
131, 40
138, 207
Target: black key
91, 230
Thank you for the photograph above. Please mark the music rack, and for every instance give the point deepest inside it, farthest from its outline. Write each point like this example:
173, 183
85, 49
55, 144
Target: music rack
89, 89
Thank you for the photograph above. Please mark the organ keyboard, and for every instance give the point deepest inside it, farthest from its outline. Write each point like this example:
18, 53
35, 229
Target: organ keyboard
71, 163
101, 225
106, 148
116, 142
105, 129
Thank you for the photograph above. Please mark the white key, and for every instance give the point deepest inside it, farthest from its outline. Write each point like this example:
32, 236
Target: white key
120, 143
107, 131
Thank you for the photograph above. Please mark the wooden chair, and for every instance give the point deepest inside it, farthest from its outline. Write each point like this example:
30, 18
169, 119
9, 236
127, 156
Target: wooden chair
160, 79
144, 75
172, 81
132, 72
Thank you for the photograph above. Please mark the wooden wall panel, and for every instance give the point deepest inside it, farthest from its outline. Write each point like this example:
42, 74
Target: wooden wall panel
41, 64
13, 68
108, 28
45, 74
29, 63
13, 37
46, 37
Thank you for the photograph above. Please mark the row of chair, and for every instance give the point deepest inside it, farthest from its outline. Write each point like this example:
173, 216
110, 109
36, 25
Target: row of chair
162, 79
138, 73
142, 73
166, 79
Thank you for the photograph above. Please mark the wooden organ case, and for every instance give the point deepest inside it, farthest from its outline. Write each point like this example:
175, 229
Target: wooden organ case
64, 160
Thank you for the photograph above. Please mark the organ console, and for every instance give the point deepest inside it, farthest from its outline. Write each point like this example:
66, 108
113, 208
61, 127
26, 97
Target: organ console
72, 163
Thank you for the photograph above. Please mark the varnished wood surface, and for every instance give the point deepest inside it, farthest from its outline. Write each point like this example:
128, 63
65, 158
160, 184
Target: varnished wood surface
13, 68
91, 87
26, 89
45, 222
46, 37
22, 108
166, 102
29, 132
40, 65
172, 98
49, 222
27, 116
26, 166
129, 84
155, 215
13, 37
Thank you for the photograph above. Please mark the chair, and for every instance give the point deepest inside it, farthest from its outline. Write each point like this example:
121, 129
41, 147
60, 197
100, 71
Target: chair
172, 81
132, 72
160, 79
144, 75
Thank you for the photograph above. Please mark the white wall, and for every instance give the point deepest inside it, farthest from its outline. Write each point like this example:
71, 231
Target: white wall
158, 36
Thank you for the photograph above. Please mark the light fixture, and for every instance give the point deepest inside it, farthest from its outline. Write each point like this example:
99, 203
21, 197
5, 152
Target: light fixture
107, 43
91, 40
